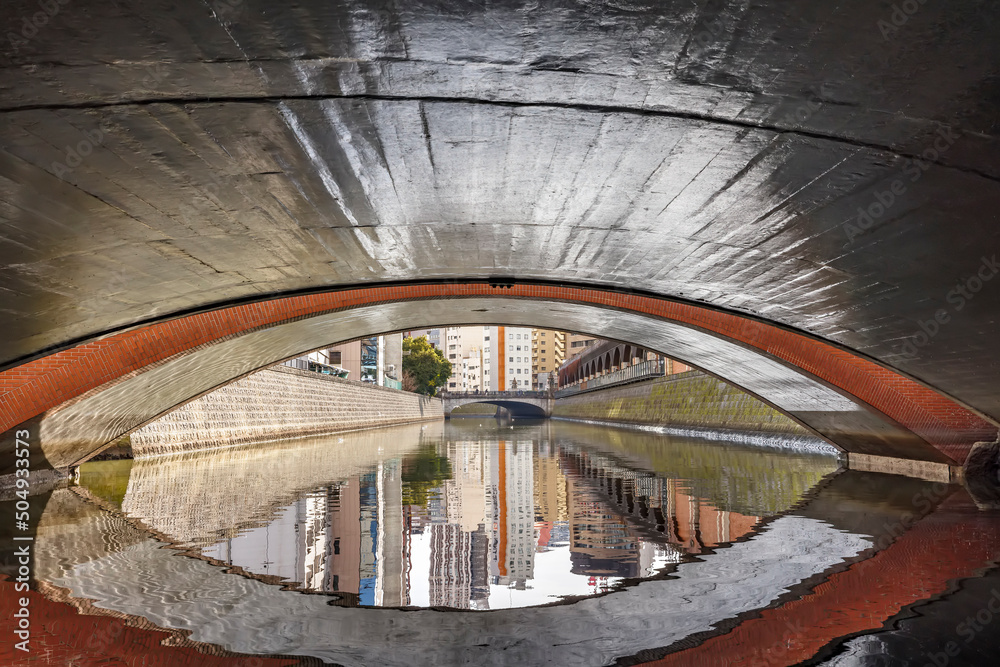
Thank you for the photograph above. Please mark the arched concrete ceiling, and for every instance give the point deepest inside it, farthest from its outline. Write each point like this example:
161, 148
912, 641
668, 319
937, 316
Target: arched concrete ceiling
158, 157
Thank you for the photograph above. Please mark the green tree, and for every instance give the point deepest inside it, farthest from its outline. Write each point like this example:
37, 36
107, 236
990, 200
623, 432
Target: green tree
425, 364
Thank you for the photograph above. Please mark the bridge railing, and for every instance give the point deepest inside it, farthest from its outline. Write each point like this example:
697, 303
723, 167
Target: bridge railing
641, 371
494, 394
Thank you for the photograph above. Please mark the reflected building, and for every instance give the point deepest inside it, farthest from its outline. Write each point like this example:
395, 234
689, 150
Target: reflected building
345, 549
511, 513
550, 498
458, 574
483, 511
347, 537
383, 565
549, 488
611, 505
601, 543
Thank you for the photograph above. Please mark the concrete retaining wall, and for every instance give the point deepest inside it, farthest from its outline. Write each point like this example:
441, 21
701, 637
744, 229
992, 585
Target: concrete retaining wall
279, 403
690, 400
475, 410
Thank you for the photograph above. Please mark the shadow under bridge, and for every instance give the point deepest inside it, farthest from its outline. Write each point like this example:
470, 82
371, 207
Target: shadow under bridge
520, 404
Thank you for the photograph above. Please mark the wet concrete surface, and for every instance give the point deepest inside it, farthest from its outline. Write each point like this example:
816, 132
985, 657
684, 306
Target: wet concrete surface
158, 157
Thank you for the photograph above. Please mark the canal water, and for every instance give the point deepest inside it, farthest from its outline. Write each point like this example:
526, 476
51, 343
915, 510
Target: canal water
476, 541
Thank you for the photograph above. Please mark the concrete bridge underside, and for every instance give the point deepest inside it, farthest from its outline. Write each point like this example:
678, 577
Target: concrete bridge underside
521, 407
798, 167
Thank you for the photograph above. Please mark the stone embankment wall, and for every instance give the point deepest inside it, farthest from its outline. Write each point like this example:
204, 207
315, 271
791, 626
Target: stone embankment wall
686, 400
280, 403
475, 410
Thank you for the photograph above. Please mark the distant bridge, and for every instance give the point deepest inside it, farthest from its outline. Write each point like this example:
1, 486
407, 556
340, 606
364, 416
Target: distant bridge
537, 404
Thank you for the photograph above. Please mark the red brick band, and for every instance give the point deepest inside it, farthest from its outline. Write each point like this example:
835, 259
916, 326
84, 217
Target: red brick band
62, 635
922, 563
34, 387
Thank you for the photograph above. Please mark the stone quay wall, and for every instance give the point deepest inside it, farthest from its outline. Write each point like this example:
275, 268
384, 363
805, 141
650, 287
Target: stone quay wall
686, 400
280, 403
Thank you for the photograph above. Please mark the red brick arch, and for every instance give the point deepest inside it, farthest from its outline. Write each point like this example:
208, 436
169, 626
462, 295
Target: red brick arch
32, 388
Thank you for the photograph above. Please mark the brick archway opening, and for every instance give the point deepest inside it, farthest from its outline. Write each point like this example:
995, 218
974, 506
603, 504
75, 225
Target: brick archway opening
949, 429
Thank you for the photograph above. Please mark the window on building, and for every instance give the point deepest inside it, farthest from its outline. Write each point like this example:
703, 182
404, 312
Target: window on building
510, 336
512, 360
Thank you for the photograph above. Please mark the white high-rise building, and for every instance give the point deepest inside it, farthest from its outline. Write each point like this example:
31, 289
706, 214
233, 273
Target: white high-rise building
491, 358
463, 347
509, 358
472, 373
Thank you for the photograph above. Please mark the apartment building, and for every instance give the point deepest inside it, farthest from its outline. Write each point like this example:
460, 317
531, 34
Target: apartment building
575, 343
548, 351
509, 358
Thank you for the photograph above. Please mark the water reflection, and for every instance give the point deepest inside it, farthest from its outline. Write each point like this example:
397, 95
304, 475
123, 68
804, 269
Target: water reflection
611, 543
463, 515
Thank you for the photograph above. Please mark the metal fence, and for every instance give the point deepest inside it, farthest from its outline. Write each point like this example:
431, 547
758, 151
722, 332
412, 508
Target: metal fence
641, 371
494, 394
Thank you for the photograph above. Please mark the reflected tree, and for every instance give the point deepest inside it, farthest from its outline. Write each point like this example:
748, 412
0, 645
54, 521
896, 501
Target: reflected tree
423, 471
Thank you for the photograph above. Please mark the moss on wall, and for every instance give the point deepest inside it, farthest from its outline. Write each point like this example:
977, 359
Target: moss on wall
688, 399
